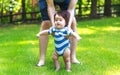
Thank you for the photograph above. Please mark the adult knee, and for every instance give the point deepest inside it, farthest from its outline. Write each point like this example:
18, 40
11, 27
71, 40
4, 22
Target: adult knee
45, 25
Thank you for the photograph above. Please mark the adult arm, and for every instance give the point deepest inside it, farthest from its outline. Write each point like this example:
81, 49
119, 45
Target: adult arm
51, 10
71, 9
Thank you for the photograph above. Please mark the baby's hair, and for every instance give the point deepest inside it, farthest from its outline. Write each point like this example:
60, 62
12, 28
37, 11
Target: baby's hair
65, 14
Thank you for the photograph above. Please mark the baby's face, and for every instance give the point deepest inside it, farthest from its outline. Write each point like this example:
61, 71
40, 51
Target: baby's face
59, 22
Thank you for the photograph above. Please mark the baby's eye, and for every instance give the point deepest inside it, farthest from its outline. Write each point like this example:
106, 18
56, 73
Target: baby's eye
56, 19
60, 20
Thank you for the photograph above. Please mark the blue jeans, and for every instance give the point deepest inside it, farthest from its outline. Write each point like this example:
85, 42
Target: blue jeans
43, 7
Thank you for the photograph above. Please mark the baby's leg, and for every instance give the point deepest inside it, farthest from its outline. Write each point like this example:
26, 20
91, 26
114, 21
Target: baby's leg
66, 57
55, 59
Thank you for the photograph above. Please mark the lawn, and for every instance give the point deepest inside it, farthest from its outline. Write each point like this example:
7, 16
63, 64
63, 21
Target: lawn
99, 49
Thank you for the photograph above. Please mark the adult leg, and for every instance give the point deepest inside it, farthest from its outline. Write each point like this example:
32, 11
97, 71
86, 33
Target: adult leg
43, 41
73, 44
55, 59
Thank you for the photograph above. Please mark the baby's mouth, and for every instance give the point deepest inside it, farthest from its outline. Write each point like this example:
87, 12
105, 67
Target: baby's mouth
58, 24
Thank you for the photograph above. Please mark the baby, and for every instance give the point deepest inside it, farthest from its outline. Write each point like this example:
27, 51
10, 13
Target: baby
60, 32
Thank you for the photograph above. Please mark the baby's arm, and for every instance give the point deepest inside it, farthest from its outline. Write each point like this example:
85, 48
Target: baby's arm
76, 36
44, 32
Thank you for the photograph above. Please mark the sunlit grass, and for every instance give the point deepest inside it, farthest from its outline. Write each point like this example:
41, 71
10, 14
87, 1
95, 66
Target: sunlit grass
99, 50
113, 71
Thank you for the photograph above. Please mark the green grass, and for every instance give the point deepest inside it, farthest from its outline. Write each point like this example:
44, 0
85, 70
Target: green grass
99, 50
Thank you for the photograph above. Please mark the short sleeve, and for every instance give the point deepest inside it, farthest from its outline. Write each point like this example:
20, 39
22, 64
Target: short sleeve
51, 30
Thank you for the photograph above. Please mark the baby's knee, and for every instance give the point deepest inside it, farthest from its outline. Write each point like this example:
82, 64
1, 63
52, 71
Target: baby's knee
54, 57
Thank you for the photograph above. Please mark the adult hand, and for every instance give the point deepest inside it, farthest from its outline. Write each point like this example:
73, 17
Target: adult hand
38, 35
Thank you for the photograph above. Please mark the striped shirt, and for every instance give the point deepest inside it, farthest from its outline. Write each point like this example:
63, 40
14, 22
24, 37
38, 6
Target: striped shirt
60, 40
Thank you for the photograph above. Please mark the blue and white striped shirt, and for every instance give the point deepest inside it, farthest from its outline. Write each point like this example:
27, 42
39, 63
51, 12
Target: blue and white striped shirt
60, 40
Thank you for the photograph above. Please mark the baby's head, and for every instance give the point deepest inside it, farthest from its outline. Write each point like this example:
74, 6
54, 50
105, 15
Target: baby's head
62, 18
